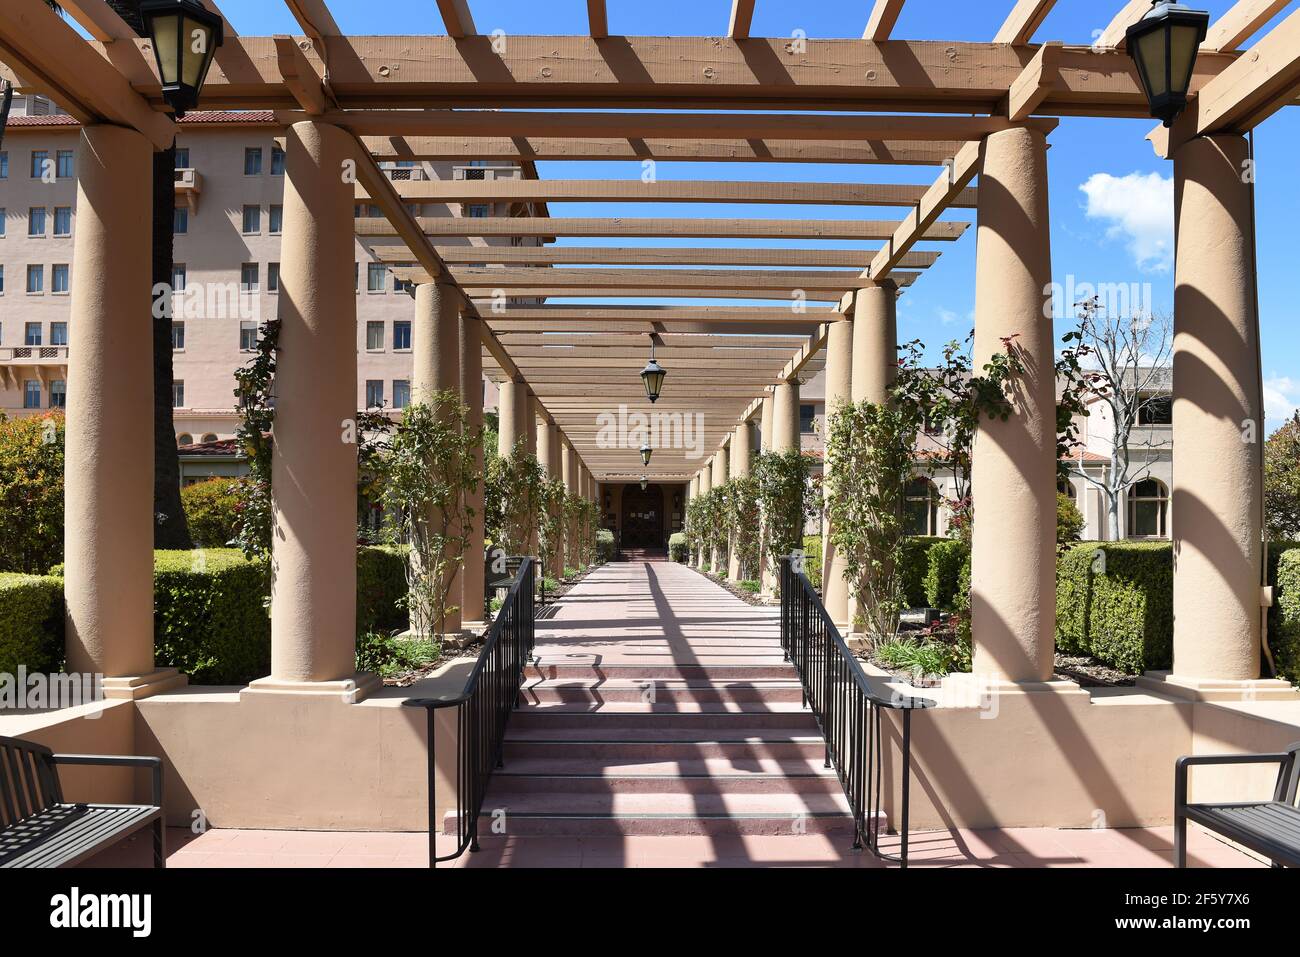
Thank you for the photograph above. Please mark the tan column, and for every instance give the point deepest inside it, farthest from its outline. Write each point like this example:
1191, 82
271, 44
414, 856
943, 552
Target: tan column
875, 343
1218, 423
108, 474
314, 475
706, 485
512, 399
471, 386
839, 378
721, 459
570, 466
532, 415
549, 454
738, 468
785, 417
765, 422
1013, 564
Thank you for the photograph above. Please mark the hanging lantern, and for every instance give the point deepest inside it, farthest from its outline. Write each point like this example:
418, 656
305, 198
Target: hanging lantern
652, 376
645, 482
646, 452
185, 36
1164, 44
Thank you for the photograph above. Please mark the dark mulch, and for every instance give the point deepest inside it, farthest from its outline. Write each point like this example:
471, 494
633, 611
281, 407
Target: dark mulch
749, 598
1091, 673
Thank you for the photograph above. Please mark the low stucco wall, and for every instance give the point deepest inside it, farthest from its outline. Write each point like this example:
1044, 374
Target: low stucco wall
102, 727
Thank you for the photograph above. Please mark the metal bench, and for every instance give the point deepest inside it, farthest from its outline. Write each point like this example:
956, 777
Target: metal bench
38, 828
1270, 828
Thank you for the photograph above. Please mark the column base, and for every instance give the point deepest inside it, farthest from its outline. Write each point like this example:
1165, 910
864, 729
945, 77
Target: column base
135, 687
1218, 689
349, 690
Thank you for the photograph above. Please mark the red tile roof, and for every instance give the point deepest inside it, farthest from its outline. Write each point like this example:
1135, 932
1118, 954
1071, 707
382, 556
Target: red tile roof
220, 447
197, 118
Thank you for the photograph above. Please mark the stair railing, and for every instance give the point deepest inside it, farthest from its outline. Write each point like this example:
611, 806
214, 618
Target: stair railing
483, 710
848, 710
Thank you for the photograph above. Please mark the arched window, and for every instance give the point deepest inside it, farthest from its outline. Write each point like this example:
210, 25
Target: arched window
1148, 510
921, 508
210, 437
184, 439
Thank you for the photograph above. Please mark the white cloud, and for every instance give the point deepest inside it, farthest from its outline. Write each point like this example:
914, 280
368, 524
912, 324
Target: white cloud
1139, 208
1281, 400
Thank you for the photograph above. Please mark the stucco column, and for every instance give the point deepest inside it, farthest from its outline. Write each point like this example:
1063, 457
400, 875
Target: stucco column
108, 474
741, 443
471, 387
1218, 422
569, 468
549, 454
720, 461
765, 422
875, 343
785, 438
314, 473
839, 379
512, 398
706, 486
1013, 563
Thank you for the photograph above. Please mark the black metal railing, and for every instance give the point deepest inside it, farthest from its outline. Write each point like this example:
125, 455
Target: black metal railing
848, 710
483, 710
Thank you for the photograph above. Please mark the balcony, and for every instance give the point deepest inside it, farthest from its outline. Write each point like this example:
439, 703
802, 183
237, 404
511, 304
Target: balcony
24, 362
405, 174
189, 185
504, 171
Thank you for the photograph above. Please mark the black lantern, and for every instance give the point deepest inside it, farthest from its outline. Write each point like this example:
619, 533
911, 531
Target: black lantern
644, 482
1163, 44
653, 376
185, 37
645, 454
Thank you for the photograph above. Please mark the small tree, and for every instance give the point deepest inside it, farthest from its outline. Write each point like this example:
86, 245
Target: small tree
256, 406
743, 520
1282, 481
551, 522
31, 493
784, 497
513, 499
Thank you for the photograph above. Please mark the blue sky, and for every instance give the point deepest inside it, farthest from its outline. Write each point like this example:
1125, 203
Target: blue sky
1111, 197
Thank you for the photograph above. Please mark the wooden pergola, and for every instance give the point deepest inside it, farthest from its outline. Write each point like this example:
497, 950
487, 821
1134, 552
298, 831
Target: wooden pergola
969, 109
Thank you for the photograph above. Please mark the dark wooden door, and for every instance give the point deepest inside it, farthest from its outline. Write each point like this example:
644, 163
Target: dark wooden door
643, 517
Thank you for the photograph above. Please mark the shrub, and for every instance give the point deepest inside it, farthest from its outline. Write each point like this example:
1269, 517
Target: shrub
1070, 522
913, 565
751, 586
387, 656
679, 549
212, 511
605, 545
31, 493
381, 588
961, 619
812, 550
31, 623
1285, 636
1123, 615
944, 560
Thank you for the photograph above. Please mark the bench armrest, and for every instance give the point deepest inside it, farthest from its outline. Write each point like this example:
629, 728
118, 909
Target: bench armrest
120, 761
1188, 761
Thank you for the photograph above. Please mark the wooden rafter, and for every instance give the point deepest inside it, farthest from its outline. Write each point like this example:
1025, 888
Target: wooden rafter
546, 228
653, 256
783, 280
1242, 21
1025, 18
1112, 38
299, 76
1035, 84
597, 19
315, 18
456, 18
757, 317
742, 19
884, 15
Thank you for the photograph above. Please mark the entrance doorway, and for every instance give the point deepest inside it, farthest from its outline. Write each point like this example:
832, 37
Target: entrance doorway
643, 517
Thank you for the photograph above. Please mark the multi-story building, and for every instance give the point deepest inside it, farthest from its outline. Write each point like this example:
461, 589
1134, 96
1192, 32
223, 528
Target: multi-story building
229, 195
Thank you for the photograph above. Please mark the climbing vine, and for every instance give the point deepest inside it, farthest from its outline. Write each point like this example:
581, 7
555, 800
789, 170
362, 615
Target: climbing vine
743, 522
256, 404
784, 497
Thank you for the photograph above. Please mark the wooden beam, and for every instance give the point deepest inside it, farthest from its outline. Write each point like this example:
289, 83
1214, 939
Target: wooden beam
742, 19
705, 149
456, 18
755, 316
1025, 18
597, 19
315, 19
780, 279
299, 76
538, 227
47, 53
1242, 21
542, 288
772, 126
667, 191
1112, 38
921, 220
1034, 85
653, 256
884, 15
103, 23
1249, 91
794, 325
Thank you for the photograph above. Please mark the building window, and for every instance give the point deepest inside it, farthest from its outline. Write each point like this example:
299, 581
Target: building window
921, 508
65, 166
58, 333
35, 279
62, 220
184, 439
403, 285
402, 334
178, 337
374, 393
3, 217
277, 219
375, 274
356, 277
277, 161
32, 394
178, 394
248, 337
32, 334
2, 280
59, 277
58, 394
249, 280
36, 221
252, 220
1148, 510
210, 437
4, 165
180, 277
39, 160
1156, 410
273, 277
807, 418
401, 393
181, 222
477, 211
374, 335
253, 161
182, 157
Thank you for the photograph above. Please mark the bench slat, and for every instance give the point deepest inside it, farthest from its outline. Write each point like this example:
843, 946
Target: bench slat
68, 834
1271, 829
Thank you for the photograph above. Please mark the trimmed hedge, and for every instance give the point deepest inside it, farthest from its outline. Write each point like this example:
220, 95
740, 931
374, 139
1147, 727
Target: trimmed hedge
381, 588
679, 550
1285, 635
605, 545
1124, 617
945, 560
212, 511
31, 622
915, 566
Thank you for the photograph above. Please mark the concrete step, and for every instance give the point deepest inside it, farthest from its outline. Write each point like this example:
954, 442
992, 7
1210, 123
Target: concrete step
741, 715
660, 690
609, 775
661, 744
562, 669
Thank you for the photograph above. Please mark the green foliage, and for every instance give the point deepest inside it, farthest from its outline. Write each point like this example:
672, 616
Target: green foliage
31, 493
812, 559
961, 619
944, 561
784, 495
679, 549
1069, 520
388, 656
253, 395
212, 511
381, 588
928, 656
1285, 636
31, 622
1118, 608
744, 521
1282, 480
604, 545
552, 520
513, 498
751, 586
913, 564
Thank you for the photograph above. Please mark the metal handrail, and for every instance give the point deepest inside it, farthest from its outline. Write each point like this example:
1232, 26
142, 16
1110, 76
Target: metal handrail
847, 709
483, 710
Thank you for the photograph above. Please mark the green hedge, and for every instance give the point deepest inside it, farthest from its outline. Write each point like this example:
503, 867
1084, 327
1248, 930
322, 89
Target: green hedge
1124, 617
945, 559
212, 511
915, 565
381, 588
31, 622
812, 551
605, 545
678, 548
1285, 633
